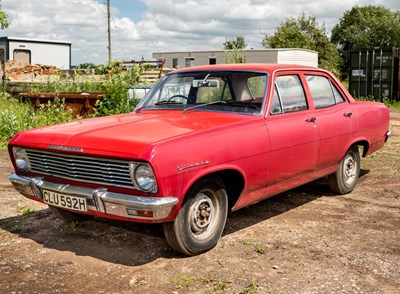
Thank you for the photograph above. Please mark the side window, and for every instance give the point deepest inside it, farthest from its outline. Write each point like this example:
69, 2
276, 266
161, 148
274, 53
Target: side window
288, 95
324, 94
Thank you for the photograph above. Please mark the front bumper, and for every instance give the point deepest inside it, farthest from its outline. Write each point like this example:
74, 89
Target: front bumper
98, 200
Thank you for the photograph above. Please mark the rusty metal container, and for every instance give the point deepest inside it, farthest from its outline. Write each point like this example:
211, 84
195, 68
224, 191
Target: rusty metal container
81, 104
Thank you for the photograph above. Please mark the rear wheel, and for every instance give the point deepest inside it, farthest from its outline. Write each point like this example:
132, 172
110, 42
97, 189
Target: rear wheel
201, 220
345, 178
69, 216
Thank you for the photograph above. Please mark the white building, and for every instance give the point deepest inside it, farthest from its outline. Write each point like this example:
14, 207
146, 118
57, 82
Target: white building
282, 56
36, 51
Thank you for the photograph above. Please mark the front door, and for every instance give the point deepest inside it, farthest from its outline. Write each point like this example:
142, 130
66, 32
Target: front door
292, 130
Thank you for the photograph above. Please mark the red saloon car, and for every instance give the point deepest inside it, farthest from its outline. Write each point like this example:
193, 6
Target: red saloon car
204, 141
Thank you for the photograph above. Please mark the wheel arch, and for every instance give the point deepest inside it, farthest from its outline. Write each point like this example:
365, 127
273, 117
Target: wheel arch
361, 143
232, 179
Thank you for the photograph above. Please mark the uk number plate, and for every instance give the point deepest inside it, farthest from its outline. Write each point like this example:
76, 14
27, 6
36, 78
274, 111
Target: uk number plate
66, 201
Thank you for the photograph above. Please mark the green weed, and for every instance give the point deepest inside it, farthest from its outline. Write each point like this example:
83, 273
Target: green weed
221, 286
16, 116
25, 210
183, 281
258, 246
74, 224
253, 288
12, 225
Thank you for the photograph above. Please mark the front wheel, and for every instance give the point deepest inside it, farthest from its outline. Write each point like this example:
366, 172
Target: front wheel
345, 178
201, 220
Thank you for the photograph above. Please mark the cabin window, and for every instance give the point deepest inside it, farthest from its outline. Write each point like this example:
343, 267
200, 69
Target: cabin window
189, 62
175, 63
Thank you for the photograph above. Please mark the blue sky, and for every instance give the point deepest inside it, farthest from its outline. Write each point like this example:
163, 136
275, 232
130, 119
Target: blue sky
141, 27
129, 8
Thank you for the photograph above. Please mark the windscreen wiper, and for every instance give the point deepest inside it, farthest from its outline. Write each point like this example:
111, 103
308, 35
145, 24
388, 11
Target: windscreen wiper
204, 104
164, 102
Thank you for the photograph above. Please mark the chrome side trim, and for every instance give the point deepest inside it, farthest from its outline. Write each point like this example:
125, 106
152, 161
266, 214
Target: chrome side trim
196, 164
100, 200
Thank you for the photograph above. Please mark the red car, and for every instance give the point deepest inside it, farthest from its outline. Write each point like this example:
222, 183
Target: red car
204, 141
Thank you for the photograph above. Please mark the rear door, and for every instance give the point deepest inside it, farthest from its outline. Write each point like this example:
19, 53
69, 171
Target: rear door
334, 117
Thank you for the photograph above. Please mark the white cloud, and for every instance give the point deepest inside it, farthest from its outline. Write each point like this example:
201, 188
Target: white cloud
167, 25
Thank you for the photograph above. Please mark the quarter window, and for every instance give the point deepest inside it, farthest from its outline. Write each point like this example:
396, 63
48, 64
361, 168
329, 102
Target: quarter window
256, 85
324, 94
288, 95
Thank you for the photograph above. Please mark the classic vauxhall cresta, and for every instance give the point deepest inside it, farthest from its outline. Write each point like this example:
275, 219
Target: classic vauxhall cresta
204, 141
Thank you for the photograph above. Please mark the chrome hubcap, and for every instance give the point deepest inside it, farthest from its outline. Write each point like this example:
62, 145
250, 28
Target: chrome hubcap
202, 216
350, 168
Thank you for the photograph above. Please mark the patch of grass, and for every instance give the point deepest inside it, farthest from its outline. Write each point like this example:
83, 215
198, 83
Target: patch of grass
74, 224
253, 288
9, 224
221, 286
393, 104
25, 210
387, 102
182, 281
259, 247
143, 281
12, 225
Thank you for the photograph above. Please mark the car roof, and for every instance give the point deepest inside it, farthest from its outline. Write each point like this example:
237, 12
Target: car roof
269, 67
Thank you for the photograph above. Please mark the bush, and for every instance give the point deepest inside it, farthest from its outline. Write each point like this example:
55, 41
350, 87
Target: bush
16, 116
115, 87
114, 81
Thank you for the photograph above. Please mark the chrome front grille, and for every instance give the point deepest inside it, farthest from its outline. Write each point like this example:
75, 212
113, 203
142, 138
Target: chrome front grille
81, 168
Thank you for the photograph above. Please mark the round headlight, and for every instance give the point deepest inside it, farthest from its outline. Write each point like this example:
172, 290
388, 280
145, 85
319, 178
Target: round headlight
21, 159
144, 177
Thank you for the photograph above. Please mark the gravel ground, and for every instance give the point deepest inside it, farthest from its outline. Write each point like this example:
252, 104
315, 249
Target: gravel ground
304, 241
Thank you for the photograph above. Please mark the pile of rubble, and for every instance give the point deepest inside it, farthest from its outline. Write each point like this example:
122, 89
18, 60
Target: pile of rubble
24, 72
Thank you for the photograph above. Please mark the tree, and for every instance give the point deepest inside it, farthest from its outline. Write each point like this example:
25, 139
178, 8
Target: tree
3, 19
305, 32
366, 27
234, 50
238, 43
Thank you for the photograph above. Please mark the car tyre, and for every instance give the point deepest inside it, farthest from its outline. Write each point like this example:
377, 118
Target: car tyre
201, 219
345, 178
69, 216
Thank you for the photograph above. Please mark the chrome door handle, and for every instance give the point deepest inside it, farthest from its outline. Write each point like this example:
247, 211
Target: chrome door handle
311, 119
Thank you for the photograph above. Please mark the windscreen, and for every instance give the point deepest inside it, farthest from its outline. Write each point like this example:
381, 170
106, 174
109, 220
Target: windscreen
228, 91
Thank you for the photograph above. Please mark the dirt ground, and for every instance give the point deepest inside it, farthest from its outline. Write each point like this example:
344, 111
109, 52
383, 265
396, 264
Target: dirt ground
304, 241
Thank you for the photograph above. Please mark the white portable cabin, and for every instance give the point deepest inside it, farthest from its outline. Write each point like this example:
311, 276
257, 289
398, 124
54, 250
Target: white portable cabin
281, 55
36, 51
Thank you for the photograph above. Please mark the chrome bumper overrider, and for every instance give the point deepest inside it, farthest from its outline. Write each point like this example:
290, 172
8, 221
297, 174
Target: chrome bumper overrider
99, 200
387, 135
